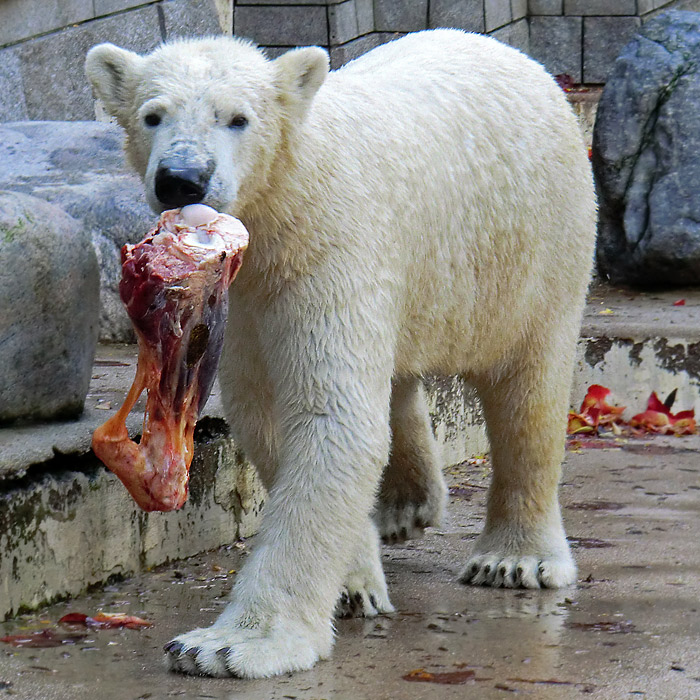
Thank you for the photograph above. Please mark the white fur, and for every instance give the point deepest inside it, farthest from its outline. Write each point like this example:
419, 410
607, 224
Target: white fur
427, 208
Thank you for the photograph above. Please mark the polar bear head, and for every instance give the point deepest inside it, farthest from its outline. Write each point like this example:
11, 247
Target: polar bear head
205, 118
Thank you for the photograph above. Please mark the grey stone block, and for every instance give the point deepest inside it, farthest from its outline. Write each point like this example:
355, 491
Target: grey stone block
556, 42
342, 23
190, 18
49, 301
12, 103
287, 2
644, 6
52, 66
546, 7
282, 26
603, 37
645, 145
497, 14
22, 19
107, 7
467, 14
518, 9
652, 8
340, 55
400, 15
80, 167
600, 7
275, 51
516, 34
365, 16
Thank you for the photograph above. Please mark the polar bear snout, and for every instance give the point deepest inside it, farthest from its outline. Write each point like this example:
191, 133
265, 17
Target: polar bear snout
178, 182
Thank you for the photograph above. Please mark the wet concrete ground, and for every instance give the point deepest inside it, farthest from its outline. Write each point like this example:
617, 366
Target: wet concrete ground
630, 628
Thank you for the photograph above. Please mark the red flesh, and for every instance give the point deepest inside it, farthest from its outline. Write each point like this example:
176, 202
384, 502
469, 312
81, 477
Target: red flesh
176, 293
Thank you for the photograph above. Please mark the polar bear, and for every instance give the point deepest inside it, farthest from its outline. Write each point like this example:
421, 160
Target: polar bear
427, 208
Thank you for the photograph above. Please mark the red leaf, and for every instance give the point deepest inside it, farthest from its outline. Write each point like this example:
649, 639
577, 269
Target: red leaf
450, 678
595, 411
74, 619
42, 639
565, 81
105, 620
680, 302
659, 419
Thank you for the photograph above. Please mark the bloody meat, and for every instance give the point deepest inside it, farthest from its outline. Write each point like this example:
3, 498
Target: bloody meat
175, 289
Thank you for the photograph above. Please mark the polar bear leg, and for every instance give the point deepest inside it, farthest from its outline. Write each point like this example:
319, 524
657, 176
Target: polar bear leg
246, 393
523, 543
364, 593
333, 441
413, 492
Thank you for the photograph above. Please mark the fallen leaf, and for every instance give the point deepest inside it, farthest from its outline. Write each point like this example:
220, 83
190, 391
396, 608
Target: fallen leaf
606, 312
659, 419
611, 626
105, 620
42, 639
565, 82
540, 681
420, 675
594, 412
679, 302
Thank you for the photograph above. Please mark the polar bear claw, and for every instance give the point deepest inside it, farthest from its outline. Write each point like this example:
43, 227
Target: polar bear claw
499, 571
243, 653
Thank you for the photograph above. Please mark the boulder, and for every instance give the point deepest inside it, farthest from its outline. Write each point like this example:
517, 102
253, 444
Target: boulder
49, 305
79, 167
646, 142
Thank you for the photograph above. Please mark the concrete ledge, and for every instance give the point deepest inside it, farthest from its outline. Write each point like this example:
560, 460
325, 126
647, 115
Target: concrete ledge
69, 523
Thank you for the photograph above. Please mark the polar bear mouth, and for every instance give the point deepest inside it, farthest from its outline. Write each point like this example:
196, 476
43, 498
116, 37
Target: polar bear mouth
175, 289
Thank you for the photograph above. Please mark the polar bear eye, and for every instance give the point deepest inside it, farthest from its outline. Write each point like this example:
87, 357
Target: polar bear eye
238, 122
152, 119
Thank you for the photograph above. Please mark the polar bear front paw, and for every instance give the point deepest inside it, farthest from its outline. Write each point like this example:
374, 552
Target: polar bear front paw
245, 653
499, 571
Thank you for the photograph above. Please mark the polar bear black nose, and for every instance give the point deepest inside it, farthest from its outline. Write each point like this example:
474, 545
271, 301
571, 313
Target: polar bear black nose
177, 185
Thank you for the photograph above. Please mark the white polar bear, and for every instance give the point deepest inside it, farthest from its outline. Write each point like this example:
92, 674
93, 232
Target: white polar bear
427, 208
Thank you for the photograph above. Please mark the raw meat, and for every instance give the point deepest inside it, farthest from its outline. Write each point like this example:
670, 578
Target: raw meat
175, 288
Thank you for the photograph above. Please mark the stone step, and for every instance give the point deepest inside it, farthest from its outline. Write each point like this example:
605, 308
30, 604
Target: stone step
66, 523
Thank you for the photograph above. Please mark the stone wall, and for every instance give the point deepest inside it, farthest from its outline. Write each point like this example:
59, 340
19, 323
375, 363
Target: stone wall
43, 42
582, 38
43, 45
348, 28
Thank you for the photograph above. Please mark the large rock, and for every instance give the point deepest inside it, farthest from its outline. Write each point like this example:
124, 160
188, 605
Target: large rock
49, 301
645, 157
79, 166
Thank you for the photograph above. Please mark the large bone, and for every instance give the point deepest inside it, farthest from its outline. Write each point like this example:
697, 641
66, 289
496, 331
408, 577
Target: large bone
175, 288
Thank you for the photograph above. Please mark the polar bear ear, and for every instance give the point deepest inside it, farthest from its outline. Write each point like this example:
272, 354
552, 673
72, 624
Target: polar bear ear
110, 70
299, 74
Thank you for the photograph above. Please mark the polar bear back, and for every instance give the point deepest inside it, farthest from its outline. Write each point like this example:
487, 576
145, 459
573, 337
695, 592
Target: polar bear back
456, 163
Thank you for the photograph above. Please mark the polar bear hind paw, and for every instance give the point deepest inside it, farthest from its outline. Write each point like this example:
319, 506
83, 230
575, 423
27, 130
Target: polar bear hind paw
499, 571
222, 652
398, 522
362, 603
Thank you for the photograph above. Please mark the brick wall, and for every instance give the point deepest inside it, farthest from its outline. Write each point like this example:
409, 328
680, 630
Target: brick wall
43, 42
